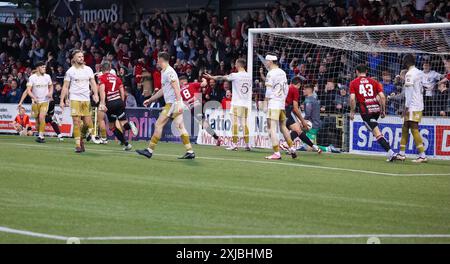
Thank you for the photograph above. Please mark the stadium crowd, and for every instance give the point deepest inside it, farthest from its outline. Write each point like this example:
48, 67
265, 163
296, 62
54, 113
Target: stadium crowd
202, 42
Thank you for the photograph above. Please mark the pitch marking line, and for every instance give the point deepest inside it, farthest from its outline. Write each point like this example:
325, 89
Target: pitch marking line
255, 161
65, 238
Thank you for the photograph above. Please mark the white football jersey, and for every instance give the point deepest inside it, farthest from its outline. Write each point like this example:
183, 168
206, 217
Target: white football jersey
167, 77
414, 89
39, 86
79, 83
429, 81
276, 88
242, 88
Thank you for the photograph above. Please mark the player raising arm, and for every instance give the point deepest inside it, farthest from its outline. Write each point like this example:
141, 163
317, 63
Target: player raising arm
363, 93
240, 102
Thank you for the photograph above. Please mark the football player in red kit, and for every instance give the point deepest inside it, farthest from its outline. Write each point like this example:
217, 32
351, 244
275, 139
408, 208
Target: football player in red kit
368, 95
112, 101
192, 96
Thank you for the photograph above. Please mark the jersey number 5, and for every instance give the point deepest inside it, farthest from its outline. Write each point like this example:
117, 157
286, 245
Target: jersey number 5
366, 89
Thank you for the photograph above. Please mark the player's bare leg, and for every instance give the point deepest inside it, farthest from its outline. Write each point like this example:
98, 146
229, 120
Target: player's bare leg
287, 137
179, 124
272, 125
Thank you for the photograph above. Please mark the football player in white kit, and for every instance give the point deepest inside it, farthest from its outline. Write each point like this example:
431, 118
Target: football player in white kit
241, 101
413, 108
40, 89
172, 110
77, 81
276, 92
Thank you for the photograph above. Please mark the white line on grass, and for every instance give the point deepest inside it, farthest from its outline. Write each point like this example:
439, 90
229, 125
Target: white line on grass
256, 161
199, 237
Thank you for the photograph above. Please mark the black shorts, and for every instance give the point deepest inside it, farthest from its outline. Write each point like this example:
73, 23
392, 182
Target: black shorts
370, 120
290, 116
116, 111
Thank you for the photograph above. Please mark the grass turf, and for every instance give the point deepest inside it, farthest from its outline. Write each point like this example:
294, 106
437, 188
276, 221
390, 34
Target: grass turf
47, 188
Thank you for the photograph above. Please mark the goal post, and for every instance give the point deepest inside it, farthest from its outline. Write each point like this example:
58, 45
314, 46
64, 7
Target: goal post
326, 58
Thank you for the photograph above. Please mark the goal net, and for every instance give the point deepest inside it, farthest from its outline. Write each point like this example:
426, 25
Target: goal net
326, 58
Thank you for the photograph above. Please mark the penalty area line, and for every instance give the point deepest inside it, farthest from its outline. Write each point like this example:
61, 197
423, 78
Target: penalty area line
200, 237
363, 172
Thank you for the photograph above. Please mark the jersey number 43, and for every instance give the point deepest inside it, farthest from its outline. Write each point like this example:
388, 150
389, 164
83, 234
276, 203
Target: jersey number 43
366, 90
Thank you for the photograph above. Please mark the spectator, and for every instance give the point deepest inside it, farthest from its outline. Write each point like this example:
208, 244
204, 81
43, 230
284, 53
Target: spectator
388, 89
22, 123
442, 102
429, 81
130, 100
342, 100
226, 101
14, 95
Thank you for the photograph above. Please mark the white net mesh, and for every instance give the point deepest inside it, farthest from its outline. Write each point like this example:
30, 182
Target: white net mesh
328, 60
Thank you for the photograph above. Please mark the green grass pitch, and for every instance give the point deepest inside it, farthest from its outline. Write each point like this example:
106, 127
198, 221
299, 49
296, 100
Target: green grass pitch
106, 192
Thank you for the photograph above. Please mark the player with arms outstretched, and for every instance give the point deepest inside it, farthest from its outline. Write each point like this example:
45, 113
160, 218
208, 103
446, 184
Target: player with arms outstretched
276, 92
364, 93
172, 110
112, 101
240, 102
192, 97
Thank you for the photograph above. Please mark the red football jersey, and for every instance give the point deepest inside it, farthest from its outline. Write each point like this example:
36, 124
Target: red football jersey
191, 92
112, 86
293, 95
366, 90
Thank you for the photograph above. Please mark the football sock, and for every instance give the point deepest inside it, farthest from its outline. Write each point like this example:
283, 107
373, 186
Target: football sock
103, 132
246, 134
276, 148
186, 142
77, 133
305, 139
382, 141
210, 131
418, 140
55, 127
153, 142
119, 136
41, 129
405, 136
235, 132
294, 135
126, 126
